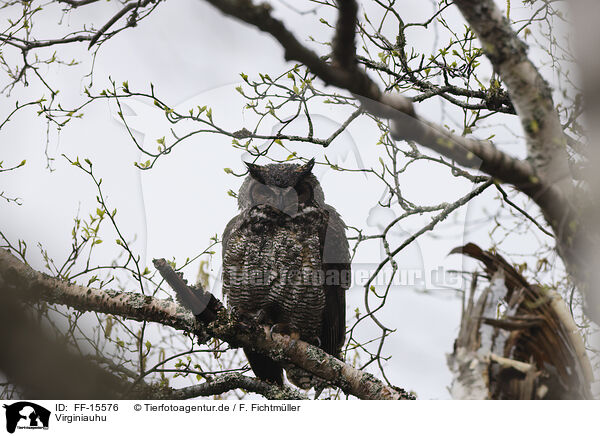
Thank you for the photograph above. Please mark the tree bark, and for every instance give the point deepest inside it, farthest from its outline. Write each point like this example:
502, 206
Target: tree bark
24, 283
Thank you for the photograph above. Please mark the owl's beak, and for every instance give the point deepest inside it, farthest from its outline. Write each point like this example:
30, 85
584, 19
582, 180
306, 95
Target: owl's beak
284, 204
281, 201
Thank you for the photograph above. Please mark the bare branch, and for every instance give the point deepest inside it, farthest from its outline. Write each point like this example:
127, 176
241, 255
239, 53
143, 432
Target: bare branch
344, 46
227, 382
34, 286
134, 5
77, 3
468, 152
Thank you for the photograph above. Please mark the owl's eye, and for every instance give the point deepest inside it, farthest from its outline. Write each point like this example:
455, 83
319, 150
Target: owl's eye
305, 192
261, 194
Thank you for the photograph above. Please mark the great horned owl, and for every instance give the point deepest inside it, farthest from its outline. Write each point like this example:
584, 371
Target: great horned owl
286, 261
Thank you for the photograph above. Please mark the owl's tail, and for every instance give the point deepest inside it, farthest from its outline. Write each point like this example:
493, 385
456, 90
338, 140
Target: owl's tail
264, 368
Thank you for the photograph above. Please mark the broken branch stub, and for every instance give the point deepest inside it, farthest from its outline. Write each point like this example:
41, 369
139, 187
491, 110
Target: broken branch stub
532, 350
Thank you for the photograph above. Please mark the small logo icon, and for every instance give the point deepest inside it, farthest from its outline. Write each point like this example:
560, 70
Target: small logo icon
26, 415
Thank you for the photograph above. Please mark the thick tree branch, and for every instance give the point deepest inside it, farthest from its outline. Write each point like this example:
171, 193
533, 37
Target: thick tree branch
354, 80
344, 45
261, 339
228, 382
573, 224
43, 367
406, 124
530, 93
35, 286
58, 372
544, 176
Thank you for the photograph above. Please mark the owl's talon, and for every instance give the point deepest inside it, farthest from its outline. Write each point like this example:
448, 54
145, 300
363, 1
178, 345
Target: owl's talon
260, 316
279, 328
244, 317
293, 342
284, 328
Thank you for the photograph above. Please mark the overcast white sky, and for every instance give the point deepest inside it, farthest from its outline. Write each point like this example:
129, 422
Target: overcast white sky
193, 55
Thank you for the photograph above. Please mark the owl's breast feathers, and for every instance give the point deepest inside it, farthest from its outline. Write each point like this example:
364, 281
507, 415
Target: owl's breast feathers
286, 269
273, 262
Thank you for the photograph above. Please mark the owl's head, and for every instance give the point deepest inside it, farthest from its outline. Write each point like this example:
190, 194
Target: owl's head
288, 188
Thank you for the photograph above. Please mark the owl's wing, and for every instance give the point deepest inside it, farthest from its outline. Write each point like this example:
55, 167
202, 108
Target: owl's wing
230, 228
264, 367
336, 267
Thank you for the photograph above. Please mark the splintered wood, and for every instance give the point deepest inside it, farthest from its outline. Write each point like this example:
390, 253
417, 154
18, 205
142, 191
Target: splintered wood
530, 350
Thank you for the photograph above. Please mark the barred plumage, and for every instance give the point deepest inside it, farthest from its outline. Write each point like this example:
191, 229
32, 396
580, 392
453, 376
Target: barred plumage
286, 260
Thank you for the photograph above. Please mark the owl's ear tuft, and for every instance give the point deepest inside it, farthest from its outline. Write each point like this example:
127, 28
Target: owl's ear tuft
256, 171
304, 170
